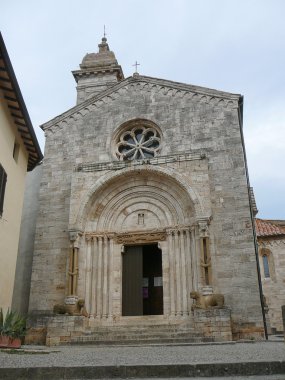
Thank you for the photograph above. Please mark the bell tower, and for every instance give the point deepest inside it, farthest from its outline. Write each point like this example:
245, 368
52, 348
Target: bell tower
98, 71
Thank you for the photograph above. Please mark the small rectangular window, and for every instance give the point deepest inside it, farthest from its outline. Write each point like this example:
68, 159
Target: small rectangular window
16, 151
3, 180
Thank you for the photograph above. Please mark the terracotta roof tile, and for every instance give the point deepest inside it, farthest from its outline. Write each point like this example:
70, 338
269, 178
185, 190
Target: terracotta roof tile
267, 228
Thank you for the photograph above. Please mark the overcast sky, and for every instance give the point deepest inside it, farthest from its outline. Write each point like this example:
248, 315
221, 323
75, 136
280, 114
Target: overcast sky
229, 45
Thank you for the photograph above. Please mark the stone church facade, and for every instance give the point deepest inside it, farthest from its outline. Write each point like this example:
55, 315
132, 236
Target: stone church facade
143, 199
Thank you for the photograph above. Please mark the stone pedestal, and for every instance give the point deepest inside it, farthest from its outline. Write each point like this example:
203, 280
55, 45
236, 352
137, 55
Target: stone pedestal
213, 324
61, 328
70, 303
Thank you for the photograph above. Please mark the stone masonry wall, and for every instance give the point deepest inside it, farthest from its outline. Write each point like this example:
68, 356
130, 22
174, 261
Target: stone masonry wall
273, 286
189, 122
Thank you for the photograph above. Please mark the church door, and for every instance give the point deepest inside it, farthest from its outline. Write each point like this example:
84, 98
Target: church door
142, 280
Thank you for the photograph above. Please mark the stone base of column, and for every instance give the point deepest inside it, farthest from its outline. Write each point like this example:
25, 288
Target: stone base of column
70, 303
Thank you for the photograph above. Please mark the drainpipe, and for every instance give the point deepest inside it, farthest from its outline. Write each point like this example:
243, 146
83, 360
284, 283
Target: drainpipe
240, 114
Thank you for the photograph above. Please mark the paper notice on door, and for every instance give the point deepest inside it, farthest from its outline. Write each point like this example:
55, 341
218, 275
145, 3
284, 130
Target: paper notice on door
157, 281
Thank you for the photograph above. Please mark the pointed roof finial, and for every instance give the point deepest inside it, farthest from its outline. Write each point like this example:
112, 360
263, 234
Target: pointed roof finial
104, 45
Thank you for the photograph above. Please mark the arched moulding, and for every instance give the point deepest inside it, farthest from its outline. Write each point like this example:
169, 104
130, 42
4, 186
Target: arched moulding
120, 212
53, 129
213, 100
184, 94
195, 97
138, 85
79, 115
111, 183
221, 103
230, 104
71, 117
63, 123
99, 103
155, 87
169, 91
160, 208
147, 87
179, 94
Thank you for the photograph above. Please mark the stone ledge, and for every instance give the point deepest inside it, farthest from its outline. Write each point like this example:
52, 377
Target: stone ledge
115, 165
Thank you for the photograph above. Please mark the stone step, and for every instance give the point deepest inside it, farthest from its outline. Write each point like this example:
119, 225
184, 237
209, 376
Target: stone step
137, 329
84, 340
139, 336
119, 335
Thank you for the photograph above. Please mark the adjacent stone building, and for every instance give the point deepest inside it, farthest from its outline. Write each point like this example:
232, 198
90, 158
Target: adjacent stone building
144, 198
271, 242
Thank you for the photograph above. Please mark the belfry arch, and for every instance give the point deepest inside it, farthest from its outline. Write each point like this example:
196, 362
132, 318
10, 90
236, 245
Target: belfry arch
136, 210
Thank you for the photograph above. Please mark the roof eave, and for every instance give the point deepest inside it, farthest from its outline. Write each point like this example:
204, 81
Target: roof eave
22, 105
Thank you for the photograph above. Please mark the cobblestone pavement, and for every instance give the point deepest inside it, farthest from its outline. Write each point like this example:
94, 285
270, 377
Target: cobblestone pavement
67, 356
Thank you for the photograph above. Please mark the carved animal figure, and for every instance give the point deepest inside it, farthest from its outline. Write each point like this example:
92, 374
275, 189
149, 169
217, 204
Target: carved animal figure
208, 301
78, 309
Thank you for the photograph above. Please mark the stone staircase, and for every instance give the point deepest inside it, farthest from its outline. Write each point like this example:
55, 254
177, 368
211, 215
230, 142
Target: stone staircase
135, 335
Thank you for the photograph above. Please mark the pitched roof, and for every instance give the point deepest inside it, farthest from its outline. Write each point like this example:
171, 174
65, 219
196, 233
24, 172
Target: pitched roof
269, 227
135, 79
14, 99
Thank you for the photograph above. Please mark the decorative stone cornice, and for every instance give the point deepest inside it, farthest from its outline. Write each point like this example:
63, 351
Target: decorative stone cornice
138, 237
148, 84
117, 165
270, 243
178, 229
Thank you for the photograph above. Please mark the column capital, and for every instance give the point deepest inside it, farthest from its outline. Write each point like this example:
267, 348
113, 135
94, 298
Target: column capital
203, 225
75, 237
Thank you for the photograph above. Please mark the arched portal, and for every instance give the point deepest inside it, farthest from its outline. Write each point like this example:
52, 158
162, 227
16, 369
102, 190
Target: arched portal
130, 221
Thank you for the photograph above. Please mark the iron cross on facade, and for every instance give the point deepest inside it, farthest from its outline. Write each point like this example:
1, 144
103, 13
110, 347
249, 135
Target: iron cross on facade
136, 65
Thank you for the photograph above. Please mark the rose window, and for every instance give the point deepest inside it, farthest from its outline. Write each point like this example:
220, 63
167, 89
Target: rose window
138, 143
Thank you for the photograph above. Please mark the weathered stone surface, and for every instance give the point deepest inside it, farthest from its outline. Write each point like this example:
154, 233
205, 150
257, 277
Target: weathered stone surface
273, 284
192, 196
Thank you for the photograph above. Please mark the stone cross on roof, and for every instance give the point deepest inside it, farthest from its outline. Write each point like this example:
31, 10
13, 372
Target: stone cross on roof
136, 65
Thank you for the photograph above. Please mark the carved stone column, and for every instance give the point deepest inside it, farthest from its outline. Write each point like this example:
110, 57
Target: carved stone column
205, 257
183, 241
75, 237
177, 271
105, 260
110, 278
93, 309
99, 290
88, 273
192, 264
171, 249
72, 296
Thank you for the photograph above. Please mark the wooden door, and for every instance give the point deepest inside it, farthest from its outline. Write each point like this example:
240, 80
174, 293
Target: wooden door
132, 301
